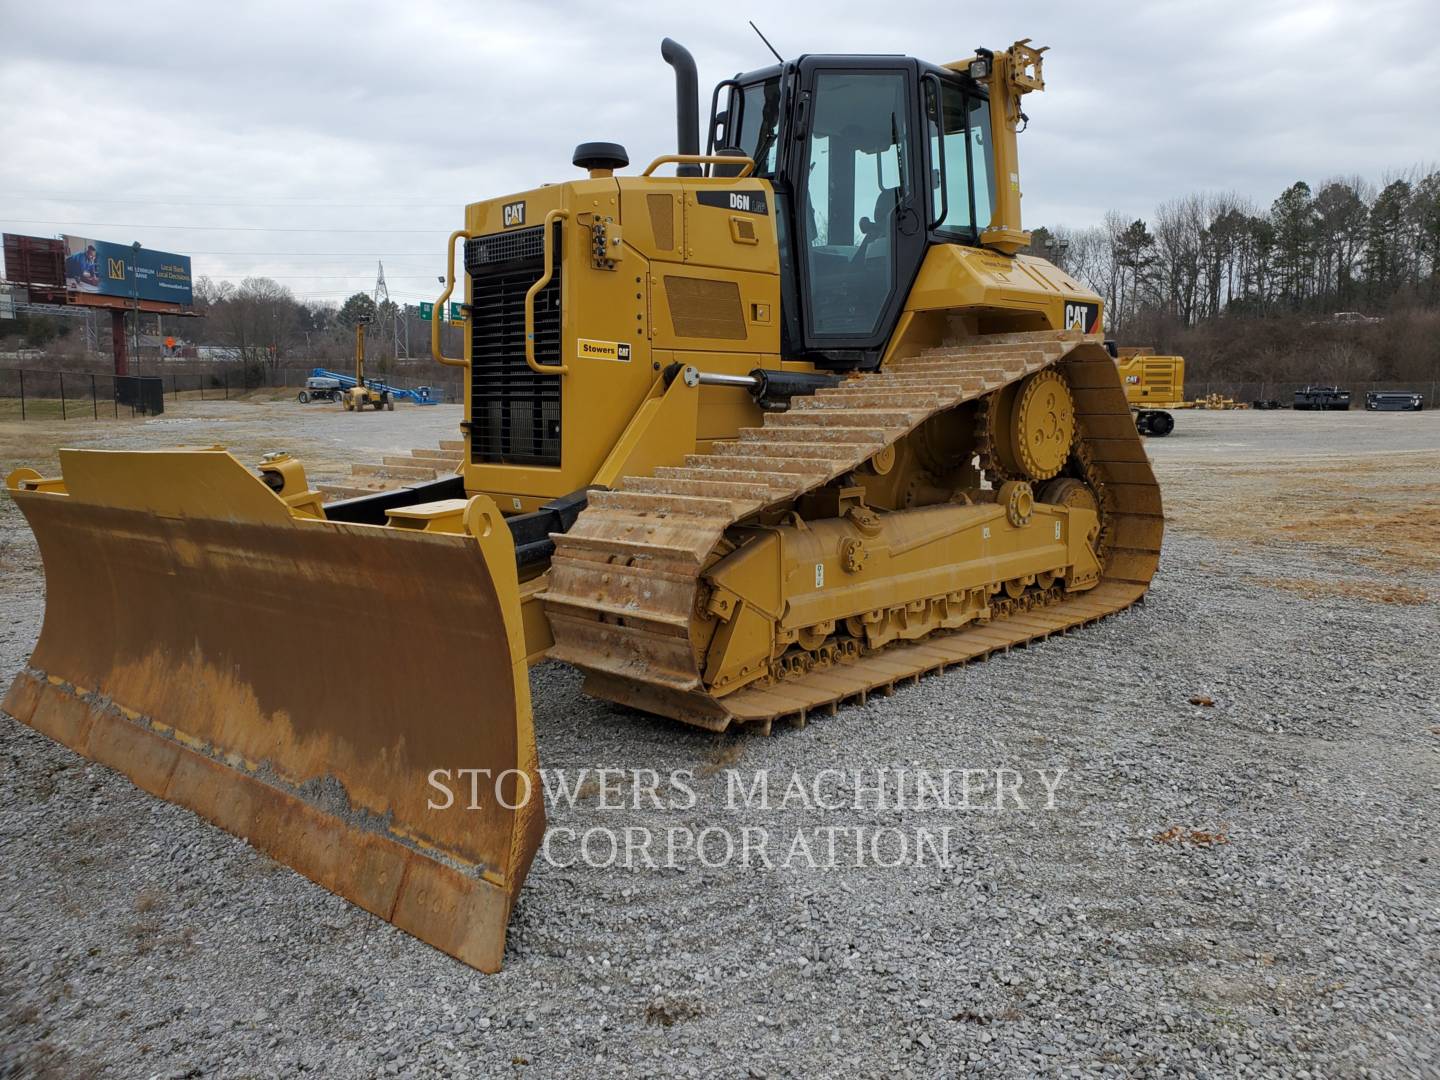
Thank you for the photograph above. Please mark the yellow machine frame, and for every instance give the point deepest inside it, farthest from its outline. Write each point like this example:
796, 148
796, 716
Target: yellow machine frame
734, 563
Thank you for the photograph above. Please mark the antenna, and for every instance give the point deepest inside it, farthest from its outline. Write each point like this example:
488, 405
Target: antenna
767, 42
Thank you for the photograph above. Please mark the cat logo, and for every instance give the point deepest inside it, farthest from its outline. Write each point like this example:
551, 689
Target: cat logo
1081, 316
513, 214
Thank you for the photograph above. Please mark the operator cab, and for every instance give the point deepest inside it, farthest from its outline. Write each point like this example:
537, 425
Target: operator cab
873, 159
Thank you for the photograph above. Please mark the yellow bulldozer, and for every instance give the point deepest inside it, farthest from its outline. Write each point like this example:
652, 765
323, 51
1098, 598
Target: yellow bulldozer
749, 435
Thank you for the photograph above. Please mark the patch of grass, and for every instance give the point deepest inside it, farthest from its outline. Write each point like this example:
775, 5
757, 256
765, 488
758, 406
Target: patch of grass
40, 409
727, 753
1178, 834
1378, 592
149, 900
666, 1012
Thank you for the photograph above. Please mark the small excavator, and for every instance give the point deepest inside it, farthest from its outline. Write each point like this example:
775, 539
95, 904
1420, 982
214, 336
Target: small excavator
749, 436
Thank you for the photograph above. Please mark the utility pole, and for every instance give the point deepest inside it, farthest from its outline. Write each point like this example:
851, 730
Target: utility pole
135, 293
382, 306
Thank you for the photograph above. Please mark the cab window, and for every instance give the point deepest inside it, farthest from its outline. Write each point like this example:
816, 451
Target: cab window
982, 159
759, 109
855, 183
961, 158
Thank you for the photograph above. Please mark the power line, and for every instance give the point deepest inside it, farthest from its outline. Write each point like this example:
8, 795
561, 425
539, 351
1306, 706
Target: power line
326, 254
298, 204
211, 228
343, 277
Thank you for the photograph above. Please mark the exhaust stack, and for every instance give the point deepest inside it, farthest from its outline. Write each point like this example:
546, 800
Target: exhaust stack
687, 102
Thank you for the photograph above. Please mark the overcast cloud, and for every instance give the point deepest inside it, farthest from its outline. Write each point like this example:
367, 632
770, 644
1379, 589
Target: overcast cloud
370, 119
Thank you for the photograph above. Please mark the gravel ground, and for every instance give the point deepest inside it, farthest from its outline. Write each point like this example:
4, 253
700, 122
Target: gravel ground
1236, 889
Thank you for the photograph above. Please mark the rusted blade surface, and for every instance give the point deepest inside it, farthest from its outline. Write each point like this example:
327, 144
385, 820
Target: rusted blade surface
296, 682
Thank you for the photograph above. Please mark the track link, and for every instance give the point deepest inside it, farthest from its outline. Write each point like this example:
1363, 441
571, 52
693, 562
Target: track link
625, 581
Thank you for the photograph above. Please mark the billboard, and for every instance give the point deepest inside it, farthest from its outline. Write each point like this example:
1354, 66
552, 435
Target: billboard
95, 266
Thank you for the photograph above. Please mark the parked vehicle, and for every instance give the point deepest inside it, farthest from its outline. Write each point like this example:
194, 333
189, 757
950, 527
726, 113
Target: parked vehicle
320, 389
1322, 397
1266, 403
1394, 401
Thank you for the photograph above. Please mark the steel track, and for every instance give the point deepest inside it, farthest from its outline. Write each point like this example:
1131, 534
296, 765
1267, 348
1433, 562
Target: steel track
625, 582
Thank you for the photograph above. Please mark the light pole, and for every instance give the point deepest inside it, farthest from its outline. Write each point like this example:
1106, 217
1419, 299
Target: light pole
135, 293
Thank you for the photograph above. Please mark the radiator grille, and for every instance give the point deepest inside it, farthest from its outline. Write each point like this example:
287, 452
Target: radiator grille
514, 412
662, 220
705, 308
503, 247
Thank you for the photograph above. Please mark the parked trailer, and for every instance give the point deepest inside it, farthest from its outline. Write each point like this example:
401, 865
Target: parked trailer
1394, 401
1328, 398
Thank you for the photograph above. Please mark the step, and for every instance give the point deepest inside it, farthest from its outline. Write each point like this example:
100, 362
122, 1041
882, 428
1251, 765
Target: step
877, 420
408, 462
828, 452
784, 483
649, 618
827, 434
644, 503
756, 464
450, 457
333, 492
619, 546
870, 398
708, 488
394, 472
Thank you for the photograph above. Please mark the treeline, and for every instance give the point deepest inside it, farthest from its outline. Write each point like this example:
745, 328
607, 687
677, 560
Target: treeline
1339, 282
262, 321
257, 321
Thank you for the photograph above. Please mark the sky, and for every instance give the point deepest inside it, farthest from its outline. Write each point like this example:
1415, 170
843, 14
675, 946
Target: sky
308, 141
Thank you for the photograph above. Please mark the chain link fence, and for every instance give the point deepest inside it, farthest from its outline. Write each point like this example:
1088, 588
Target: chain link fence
1284, 392
33, 393
36, 394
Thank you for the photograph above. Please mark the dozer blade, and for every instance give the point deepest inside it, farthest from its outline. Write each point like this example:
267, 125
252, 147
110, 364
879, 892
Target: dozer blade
295, 681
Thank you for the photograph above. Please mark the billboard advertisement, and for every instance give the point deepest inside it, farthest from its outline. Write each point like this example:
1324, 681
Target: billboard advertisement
95, 266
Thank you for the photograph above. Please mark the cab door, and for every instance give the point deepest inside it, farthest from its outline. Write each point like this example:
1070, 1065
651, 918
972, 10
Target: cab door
860, 213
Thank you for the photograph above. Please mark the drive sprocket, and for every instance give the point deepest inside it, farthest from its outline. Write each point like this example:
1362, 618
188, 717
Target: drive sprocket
1025, 431
1042, 425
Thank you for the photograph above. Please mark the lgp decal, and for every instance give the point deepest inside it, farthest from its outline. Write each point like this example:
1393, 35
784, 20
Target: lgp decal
603, 350
747, 202
513, 214
1082, 316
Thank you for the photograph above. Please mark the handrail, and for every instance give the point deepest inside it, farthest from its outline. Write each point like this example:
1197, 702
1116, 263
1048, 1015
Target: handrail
541, 282
715, 108
437, 317
703, 159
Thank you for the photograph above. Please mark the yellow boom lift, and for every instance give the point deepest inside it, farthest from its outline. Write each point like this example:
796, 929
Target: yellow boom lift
362, 393
745, 443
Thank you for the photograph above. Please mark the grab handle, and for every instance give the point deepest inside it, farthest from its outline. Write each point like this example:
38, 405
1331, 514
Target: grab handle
747, 163
544, 279
438, 315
